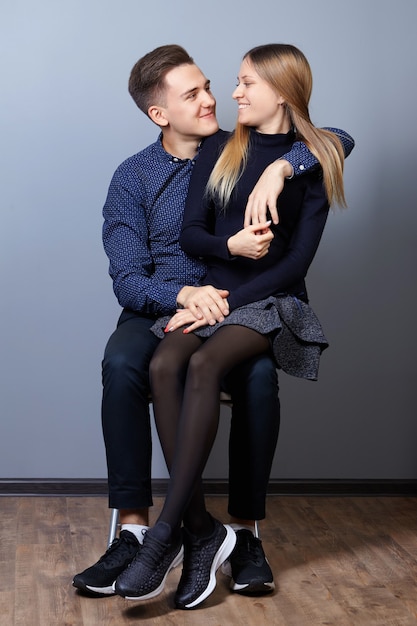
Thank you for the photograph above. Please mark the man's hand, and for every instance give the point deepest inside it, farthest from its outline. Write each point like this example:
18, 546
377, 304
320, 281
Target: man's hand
252, 241
265, 194
205, 303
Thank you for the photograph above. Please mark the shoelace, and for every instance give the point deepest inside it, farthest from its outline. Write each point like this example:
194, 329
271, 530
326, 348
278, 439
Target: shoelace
122, 545
248, 545
152, 552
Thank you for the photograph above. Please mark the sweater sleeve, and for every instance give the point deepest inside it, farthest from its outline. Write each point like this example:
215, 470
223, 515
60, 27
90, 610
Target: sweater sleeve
197, 238
292, 268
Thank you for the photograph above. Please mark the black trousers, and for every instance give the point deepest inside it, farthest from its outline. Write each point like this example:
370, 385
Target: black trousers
127, 432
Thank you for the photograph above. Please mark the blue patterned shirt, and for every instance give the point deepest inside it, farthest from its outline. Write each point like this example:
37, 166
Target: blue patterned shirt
143, 216
142, 221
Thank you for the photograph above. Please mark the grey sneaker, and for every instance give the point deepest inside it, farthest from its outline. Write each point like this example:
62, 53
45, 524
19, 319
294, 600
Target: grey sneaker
99, 578
202, 558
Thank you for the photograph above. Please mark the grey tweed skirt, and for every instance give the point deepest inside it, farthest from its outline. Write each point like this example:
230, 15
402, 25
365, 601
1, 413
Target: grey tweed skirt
296, 333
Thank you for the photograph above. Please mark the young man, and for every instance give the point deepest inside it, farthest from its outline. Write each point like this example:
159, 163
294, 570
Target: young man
152, 277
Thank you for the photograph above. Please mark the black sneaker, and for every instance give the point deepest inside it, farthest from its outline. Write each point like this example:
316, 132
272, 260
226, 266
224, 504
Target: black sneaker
202, 558
145, 577
99, 578
249, 567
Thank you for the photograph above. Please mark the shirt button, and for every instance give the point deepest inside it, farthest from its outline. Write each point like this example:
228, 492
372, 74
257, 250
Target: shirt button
175, 160
301, 167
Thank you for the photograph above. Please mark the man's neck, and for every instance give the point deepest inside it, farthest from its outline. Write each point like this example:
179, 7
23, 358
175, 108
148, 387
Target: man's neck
183, 148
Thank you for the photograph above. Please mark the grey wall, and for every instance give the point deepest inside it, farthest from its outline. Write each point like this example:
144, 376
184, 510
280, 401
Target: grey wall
67, 121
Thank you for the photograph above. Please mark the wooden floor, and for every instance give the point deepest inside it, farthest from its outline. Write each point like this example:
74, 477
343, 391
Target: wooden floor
337, 561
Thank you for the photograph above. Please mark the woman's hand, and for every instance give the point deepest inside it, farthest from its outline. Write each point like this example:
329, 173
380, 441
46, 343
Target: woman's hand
252, 241
264, 196
184, 317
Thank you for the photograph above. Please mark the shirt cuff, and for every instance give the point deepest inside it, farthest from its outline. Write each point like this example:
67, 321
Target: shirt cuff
298, 167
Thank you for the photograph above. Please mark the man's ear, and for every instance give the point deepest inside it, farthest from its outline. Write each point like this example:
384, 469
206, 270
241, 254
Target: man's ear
157, 115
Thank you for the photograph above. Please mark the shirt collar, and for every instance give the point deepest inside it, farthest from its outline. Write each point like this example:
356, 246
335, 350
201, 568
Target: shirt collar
171, 157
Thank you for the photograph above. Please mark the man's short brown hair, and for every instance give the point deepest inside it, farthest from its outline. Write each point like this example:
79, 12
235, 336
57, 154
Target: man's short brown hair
147, 78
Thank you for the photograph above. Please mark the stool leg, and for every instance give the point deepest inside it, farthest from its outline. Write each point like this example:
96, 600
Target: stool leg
114, 521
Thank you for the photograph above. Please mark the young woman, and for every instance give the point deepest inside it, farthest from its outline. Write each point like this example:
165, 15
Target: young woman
263, 268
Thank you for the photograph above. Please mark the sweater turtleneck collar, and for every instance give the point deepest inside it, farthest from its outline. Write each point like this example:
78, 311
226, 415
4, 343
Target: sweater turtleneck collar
264, 140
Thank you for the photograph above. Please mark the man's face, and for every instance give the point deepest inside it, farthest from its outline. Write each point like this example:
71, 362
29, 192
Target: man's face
189, 108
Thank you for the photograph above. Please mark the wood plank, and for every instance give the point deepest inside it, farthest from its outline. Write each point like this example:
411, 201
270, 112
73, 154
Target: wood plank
342, 561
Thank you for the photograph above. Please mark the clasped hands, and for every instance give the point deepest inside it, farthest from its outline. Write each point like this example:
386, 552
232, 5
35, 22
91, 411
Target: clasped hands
202, 306
207, 304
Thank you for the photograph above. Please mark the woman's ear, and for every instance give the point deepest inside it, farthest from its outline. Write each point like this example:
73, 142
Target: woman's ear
157, 115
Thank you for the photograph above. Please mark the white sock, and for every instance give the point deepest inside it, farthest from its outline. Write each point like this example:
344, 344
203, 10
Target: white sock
136, 529
237, 527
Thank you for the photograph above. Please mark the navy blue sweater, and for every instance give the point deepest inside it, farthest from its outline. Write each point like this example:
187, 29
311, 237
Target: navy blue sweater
303, 210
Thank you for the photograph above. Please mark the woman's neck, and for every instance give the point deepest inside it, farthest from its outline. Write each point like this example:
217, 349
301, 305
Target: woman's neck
274, 129
280, 124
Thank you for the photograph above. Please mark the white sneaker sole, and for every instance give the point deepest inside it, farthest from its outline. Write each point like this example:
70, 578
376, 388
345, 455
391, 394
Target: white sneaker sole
107, 591
221, 555
252, 588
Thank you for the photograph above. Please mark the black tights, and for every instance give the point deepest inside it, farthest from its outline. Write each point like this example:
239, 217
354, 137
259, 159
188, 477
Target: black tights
185, 373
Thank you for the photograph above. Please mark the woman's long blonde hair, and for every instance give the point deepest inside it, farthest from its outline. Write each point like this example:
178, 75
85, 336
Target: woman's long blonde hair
287, 71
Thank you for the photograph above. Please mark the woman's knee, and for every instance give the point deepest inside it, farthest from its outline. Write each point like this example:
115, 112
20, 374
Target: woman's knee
164, 365
201, 368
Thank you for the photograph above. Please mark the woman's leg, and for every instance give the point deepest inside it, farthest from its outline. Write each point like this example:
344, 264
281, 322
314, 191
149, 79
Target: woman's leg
199, 416
168, 372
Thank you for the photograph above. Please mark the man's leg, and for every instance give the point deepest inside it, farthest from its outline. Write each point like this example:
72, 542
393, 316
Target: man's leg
127, 437
253, 439
125, 413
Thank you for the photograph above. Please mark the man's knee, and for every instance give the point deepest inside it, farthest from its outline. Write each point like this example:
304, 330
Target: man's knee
256, 378
119, 361
124, 366
129, 351
261, 371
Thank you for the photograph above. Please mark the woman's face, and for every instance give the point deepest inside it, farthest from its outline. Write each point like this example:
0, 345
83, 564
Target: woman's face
259, 105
